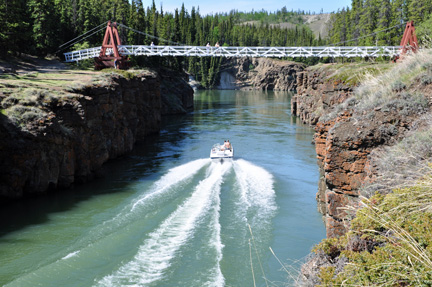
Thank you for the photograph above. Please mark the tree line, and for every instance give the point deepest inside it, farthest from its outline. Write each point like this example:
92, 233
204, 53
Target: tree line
40, 27
379, 22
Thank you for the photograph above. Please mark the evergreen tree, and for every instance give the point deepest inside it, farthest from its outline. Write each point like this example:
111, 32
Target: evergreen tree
44, 26
15, 24
384, 22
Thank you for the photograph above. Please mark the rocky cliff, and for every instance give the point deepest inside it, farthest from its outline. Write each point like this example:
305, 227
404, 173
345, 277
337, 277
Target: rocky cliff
260, 74
346, 134
51, 140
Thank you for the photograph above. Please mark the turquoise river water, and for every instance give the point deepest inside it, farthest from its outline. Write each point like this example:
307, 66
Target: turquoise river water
167, 215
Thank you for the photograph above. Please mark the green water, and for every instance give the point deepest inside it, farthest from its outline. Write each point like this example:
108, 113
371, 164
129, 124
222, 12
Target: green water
167, 215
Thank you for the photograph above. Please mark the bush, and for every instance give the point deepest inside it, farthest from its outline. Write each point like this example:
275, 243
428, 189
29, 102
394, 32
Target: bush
395, 241
426, 79
21, 115
398, 86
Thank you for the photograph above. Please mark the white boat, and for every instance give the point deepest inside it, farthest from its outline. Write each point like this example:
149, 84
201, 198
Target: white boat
219, 151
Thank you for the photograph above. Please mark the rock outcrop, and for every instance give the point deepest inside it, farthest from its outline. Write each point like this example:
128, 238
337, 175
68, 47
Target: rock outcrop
176, 93
259, 74
345, 137
81, 131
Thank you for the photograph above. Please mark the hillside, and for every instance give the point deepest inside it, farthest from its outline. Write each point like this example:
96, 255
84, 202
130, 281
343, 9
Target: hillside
317, 23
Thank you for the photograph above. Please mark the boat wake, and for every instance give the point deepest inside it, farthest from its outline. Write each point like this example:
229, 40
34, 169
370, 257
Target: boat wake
252, 184
189, 219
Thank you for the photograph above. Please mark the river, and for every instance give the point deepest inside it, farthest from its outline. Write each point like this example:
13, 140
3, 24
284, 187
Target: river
167, 215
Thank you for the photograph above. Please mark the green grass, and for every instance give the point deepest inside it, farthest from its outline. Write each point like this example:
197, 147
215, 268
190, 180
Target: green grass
351, 73
396, 234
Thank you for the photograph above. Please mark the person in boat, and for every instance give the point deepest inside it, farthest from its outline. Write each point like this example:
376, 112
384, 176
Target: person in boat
224, 145
227, 145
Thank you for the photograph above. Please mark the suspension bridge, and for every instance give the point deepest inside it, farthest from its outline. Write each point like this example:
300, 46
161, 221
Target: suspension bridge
113, 53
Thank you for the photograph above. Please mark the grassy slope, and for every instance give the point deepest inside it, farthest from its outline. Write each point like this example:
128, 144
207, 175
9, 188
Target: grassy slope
32, 85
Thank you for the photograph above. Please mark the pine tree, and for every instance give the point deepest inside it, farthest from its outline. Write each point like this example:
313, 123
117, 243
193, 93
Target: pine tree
355, 21
44, 26
384, 22
14, 32
368, 22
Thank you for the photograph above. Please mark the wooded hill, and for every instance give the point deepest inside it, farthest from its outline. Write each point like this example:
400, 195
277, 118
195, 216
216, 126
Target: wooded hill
379, 22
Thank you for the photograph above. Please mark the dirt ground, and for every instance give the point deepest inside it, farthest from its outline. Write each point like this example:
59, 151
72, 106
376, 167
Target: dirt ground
48, 73
28, 63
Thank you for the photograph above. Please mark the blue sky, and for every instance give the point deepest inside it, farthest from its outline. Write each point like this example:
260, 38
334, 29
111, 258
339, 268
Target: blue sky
208, 7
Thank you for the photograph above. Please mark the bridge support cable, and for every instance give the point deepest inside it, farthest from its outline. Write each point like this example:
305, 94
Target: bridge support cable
150, 36
77, 39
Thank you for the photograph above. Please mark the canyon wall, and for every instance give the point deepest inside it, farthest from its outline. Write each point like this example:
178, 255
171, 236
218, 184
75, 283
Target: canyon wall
344, 139
82, 130
260, 74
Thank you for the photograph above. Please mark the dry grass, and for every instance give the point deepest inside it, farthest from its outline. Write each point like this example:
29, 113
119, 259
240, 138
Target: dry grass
378, 90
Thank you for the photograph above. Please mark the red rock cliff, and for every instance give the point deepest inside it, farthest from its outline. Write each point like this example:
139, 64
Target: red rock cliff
344, 141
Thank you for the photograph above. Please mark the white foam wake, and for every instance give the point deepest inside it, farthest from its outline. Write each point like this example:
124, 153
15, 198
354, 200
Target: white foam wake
171, 179
155, 255
217, 279
255, 187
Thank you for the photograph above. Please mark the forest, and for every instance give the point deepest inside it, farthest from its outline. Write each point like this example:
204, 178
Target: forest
380, 22
42, 27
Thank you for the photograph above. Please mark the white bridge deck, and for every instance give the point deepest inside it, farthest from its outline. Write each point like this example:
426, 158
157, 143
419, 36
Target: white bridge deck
203, 51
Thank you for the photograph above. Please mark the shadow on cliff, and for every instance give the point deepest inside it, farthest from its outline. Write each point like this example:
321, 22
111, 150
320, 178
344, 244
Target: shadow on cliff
115, 176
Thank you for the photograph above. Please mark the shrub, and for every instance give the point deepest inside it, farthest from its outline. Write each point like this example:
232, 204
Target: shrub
426, 79
398, 86
395, 239
20, 114
10, 101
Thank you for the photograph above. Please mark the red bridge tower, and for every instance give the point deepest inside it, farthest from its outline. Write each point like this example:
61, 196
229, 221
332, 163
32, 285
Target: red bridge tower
112, 59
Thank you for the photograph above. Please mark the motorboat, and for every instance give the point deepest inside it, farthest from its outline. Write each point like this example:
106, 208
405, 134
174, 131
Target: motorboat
219, 151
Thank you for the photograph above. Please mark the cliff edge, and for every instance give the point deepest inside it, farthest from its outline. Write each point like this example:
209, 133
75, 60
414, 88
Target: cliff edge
58, 128
350, 124
374, 149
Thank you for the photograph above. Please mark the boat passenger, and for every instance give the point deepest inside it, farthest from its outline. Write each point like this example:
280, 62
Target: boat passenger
227, 144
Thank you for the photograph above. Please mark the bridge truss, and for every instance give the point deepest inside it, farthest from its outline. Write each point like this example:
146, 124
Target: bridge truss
203, 51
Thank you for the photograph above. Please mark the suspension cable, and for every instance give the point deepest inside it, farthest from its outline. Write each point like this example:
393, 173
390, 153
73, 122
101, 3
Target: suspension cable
374, 33
80, 40
83, 34
151, 36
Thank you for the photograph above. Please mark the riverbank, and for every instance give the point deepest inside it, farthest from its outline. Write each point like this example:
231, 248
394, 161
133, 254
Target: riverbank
372, 135
59, 126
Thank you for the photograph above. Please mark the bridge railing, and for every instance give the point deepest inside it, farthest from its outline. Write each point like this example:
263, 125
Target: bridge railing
82, 54
203, 51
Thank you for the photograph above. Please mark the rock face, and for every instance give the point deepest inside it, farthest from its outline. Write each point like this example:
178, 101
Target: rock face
260, 74
176, 93
344, 142
80, 133
316, 96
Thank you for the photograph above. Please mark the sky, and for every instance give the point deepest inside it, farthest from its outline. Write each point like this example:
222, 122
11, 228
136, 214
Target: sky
216, 6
